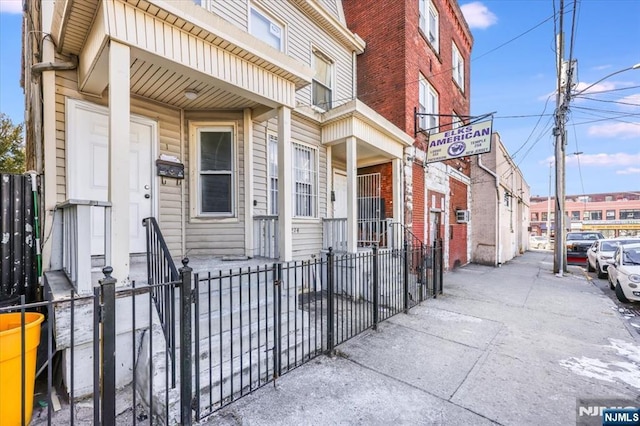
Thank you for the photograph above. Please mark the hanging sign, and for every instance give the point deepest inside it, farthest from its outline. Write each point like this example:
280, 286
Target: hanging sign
464, 141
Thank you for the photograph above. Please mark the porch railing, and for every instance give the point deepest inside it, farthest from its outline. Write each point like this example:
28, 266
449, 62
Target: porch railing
238, 331
72, 241
265, 233
334, 234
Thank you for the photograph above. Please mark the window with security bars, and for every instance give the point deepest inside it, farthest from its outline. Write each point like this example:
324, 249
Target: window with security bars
322, 81
273, 174
428, 104
457, 66
215, 170
305, 181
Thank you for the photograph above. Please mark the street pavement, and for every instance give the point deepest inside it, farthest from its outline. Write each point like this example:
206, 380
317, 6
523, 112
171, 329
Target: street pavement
513, 345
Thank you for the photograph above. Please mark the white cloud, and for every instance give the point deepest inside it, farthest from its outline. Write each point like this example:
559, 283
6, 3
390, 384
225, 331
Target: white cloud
629, 171
601, 67
10, 6
599, 87
615, 130
478, 15
602, 160
633, 100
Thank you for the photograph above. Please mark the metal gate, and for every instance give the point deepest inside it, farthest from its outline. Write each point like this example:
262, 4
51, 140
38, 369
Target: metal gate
18, 259
370, 209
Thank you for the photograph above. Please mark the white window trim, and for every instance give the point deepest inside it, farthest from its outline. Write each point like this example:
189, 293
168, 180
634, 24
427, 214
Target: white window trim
425, 9
457, 76
270, 207
425, 108
316, 182
274, 20
194, 172
315, 50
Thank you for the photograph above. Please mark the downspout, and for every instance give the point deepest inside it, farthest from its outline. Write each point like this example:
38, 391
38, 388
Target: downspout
497, 178
55, 66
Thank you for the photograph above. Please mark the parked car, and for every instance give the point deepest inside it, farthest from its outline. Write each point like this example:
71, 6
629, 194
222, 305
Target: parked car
624, 272
539, 242
579, 242
601, 251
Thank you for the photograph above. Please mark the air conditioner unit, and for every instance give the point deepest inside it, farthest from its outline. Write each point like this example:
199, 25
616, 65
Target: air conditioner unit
462, 216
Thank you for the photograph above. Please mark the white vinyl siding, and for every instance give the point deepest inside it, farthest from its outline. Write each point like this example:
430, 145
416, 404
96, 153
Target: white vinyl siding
322, 80
302, 35
428, 104
266, 29
272, 184
457, 66
305, 181
429, 22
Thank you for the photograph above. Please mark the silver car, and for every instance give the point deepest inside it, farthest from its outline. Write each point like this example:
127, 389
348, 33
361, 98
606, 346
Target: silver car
624, 272
601, 252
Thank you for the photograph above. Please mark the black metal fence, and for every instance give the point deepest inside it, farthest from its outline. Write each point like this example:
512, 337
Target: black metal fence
18, 239
235, 332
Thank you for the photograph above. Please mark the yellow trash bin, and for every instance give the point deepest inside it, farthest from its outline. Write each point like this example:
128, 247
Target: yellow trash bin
11, 365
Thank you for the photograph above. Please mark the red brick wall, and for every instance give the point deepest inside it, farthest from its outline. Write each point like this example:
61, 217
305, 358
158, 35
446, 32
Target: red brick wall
457, 231
418, 225
386, 184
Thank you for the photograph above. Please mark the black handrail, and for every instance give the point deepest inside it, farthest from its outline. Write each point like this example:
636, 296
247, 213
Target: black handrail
161, 269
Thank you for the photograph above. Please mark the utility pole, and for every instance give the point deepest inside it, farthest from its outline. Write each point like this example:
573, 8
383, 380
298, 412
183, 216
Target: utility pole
564, 75
549, 205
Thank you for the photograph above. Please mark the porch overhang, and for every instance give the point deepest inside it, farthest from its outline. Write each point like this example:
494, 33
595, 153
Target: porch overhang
177, 37
375, 135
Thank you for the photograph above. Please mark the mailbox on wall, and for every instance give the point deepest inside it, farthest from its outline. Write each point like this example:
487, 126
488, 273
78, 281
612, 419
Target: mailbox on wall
170, 169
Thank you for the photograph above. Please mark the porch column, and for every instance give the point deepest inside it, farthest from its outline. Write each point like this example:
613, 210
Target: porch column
119, 119
248, 182
398, 184
352, 194
285, 188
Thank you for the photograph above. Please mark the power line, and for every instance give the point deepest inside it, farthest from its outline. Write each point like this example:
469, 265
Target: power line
610, 101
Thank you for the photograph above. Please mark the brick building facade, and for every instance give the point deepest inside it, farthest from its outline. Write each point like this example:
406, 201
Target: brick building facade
417, 59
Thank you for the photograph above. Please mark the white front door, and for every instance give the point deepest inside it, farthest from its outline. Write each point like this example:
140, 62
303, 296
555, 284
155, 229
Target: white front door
340, 194
87, 169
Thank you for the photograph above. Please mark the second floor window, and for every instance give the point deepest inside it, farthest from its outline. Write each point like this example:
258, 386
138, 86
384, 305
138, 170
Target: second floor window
534, 217
428, 104
629, 214
611, 215
575, 215
322, 81
429, 22
592, 215
266, 29
457, 66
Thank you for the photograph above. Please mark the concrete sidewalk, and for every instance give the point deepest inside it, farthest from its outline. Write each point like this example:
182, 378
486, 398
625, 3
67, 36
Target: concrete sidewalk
508, 345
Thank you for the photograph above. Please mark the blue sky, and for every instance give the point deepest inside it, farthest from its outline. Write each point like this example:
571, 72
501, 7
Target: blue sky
513, 73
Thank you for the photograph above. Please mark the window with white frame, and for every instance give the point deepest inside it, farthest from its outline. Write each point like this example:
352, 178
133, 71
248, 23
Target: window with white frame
428, 104
457, 66
305, 181
215, 163
322, 80
429, 22
266, 29
456, 121
272, 146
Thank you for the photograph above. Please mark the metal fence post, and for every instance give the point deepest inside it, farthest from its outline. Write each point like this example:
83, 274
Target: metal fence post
330, 307
434, 267
376, 283
185, 344
405, 277
277, 320
108, 347
441, 270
